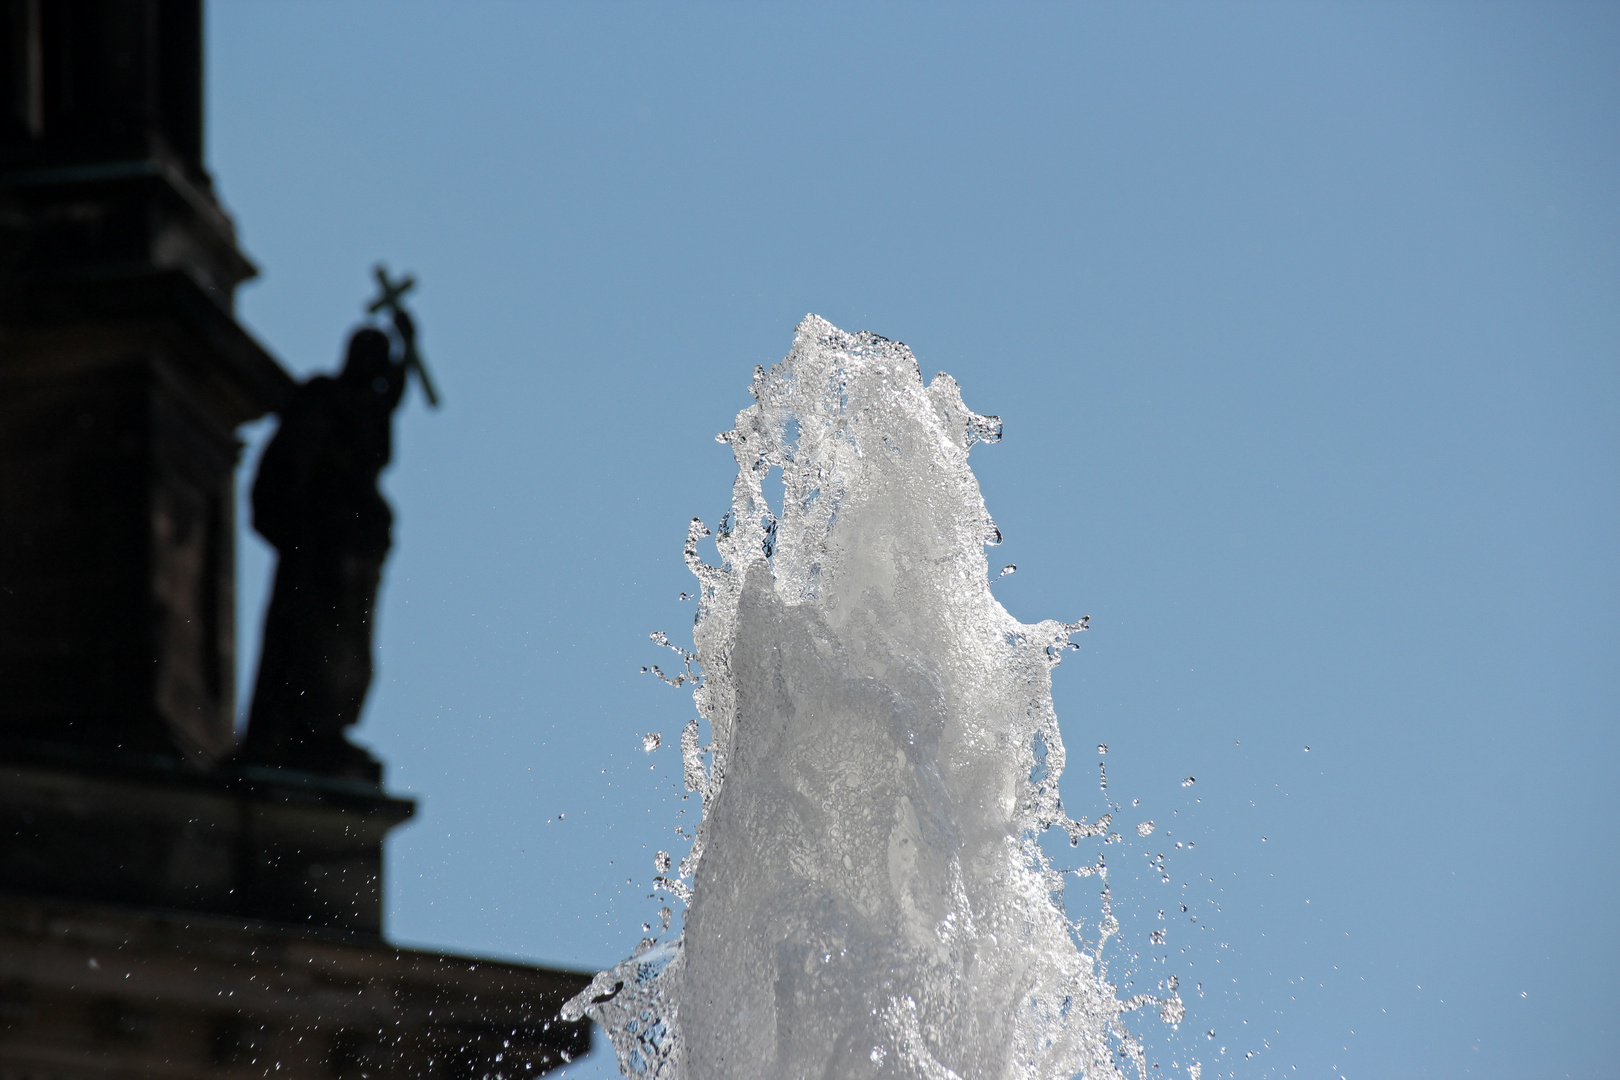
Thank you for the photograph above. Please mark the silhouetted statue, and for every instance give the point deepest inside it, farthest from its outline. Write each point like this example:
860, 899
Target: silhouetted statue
316, 501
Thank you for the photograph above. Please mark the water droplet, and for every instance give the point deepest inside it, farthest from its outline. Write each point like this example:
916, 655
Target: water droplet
1189, 781
651, 741
1144, 828
664, 915
1307, 749
646, 928
1102, 748
1211, 1034
1157, 937
1172, 1010
1009, 569
878, 1054
661, 862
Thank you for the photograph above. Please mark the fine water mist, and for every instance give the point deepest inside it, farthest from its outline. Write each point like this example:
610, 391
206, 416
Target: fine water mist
877, 757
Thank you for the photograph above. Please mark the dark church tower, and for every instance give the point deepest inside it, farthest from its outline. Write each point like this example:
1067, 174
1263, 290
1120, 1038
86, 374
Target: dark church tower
164, 910
123, 377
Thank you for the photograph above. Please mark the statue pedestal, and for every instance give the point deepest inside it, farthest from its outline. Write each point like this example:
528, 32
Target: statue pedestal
259, 843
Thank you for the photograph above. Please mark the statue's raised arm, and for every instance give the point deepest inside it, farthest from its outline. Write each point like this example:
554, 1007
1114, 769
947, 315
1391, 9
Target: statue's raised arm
390, 297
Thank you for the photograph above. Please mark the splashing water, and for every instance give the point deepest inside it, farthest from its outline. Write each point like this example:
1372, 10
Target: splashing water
866, 892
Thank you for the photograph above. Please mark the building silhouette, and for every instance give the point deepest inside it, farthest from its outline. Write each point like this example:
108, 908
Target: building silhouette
166, 911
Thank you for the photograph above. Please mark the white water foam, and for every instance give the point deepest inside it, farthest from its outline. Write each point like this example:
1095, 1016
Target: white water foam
866, 892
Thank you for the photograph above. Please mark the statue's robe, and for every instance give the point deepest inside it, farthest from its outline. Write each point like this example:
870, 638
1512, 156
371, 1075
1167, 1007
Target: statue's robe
316, 501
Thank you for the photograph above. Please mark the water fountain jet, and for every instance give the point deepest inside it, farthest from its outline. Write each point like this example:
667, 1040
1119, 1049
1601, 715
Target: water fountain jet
866, 891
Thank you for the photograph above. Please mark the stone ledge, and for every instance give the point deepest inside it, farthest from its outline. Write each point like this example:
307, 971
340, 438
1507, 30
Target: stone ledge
98, 991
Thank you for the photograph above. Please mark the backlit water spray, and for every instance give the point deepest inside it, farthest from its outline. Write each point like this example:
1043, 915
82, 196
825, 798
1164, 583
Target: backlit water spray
866, 894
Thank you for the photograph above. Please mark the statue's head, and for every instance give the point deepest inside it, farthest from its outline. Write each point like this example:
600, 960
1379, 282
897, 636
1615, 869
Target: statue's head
369, 357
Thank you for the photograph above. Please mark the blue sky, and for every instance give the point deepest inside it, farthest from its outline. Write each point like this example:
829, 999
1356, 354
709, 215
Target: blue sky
1302, 321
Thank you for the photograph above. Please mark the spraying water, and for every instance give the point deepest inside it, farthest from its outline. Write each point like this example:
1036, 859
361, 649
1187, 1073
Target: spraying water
866, 893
